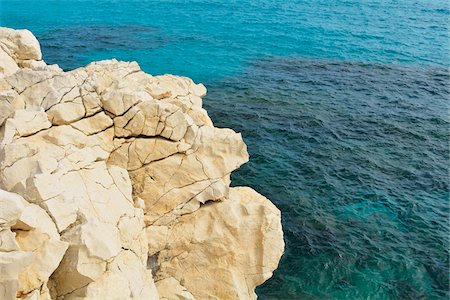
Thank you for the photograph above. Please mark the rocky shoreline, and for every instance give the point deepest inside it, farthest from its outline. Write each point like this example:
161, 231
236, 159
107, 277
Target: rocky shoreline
115, 184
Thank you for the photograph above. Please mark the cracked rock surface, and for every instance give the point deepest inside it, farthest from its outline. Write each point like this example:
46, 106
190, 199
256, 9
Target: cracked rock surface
114, 184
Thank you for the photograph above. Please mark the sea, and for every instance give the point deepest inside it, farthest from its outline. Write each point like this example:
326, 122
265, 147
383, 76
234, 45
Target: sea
344, 106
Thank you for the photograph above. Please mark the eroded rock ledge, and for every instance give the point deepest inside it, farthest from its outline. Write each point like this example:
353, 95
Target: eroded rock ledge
114, 184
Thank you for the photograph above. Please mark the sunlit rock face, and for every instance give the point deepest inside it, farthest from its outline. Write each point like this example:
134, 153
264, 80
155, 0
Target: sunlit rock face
114, 184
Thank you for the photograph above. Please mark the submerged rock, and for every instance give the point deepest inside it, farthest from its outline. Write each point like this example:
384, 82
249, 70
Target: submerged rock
116, 185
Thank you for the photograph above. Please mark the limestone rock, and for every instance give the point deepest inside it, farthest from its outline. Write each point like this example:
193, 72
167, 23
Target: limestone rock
11, 206
94, 124
191, 178
224, 250
30, 248
8, 241
11, 264
24, 123
170, 289
124, 279
36, 233
8, 65
20, 44
114, 184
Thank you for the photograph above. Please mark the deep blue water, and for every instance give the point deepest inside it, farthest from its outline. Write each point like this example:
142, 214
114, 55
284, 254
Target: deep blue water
344, 105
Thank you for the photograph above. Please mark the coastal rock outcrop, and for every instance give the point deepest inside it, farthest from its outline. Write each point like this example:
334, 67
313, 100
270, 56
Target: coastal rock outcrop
114, 184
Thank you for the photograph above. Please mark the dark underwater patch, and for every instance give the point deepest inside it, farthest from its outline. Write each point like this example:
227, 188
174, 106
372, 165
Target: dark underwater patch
70, 46
356, 157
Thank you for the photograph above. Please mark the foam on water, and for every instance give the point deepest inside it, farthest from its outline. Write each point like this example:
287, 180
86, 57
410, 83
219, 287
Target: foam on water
344, 107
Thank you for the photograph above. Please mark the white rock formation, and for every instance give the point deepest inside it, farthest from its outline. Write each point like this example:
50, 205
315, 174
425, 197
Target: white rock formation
114, 184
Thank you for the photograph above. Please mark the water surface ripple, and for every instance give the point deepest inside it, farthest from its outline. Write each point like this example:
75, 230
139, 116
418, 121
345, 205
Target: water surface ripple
344, 105
356, 157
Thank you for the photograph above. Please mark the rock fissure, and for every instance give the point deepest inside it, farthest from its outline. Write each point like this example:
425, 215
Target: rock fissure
34, 84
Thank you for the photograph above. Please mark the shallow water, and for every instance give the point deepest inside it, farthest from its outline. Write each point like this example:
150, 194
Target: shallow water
344, 106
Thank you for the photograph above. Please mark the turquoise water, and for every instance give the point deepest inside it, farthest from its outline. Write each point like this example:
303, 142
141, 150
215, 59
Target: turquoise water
344, 105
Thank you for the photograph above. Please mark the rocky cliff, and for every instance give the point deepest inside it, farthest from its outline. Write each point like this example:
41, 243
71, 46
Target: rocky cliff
114, 184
